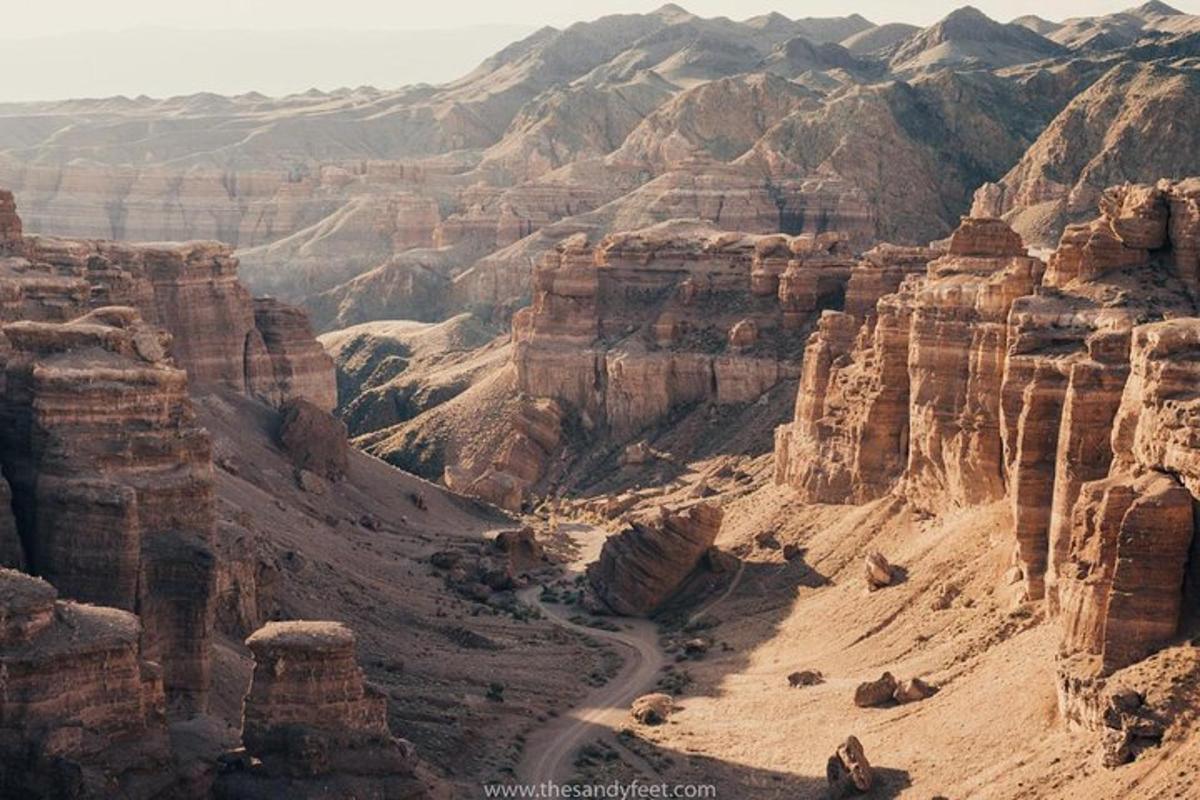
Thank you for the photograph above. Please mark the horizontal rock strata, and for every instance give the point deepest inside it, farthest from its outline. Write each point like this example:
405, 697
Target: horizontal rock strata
112, 481
82, 710
641, 567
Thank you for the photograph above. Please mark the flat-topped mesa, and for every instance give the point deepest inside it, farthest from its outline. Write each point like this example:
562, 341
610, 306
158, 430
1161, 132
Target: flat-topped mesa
109, 729
112, 481
191, 288
628, 329
310, 716
642, 568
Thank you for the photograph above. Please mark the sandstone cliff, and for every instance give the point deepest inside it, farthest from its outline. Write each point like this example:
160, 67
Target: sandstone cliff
112, 481
1060, 388
82, 711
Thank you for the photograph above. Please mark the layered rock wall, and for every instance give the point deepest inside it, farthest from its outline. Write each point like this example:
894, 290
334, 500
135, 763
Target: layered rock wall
1068, 393
82, 709
112, 481
221, 336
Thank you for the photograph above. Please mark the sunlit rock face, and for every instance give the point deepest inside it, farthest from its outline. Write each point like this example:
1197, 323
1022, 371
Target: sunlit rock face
1063, 388
641, 567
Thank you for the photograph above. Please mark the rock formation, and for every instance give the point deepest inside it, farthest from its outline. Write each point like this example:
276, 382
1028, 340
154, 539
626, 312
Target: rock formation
314, 439
112, 481
299, 367
82, 711
219, 334
1066, 390
848, 772
652, 709
626, 332
312, 723
642, 567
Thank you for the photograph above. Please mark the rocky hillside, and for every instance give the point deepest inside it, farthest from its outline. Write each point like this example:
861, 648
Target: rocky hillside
172, 481
422, 202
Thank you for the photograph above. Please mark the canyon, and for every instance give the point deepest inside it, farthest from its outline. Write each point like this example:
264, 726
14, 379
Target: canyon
620, 411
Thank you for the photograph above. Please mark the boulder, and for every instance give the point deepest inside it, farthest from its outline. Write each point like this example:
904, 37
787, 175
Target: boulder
313, 439
848, 772
806, 677
640, 568
913, 690
875, 693
878, 571
522, 549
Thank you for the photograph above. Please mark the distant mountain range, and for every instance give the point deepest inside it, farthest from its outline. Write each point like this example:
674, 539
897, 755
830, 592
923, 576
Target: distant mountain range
366, 203
162, 62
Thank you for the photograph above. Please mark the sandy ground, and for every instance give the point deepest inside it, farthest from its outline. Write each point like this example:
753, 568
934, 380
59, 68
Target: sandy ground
991, 732
358, 553
551, 749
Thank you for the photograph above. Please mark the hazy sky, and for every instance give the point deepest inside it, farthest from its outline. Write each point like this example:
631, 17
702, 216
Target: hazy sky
54, 49
56, 16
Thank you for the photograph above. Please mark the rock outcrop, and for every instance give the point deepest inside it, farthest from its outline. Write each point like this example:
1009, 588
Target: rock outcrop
300, 367
1066, 389
642, 567
314, 439
311, 722
220, 335
875, 405
82, 713
112, 481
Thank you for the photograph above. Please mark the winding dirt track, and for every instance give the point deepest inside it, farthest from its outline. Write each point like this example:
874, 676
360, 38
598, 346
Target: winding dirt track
549, 751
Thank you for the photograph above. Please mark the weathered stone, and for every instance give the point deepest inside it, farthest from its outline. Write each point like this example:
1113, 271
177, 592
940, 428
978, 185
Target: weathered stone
108, 729
1121, 586
805, 677
877, 692
652, 709
112, 483
314, 439
913, 690
848, 772
300, 367
641, 567
877, 570
309, 714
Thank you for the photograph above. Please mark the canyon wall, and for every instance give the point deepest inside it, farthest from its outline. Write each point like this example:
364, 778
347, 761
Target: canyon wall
107, 496
1064, 388
82, 710
112, 481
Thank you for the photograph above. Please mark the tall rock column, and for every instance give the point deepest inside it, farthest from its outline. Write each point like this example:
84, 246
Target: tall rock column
113, 482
